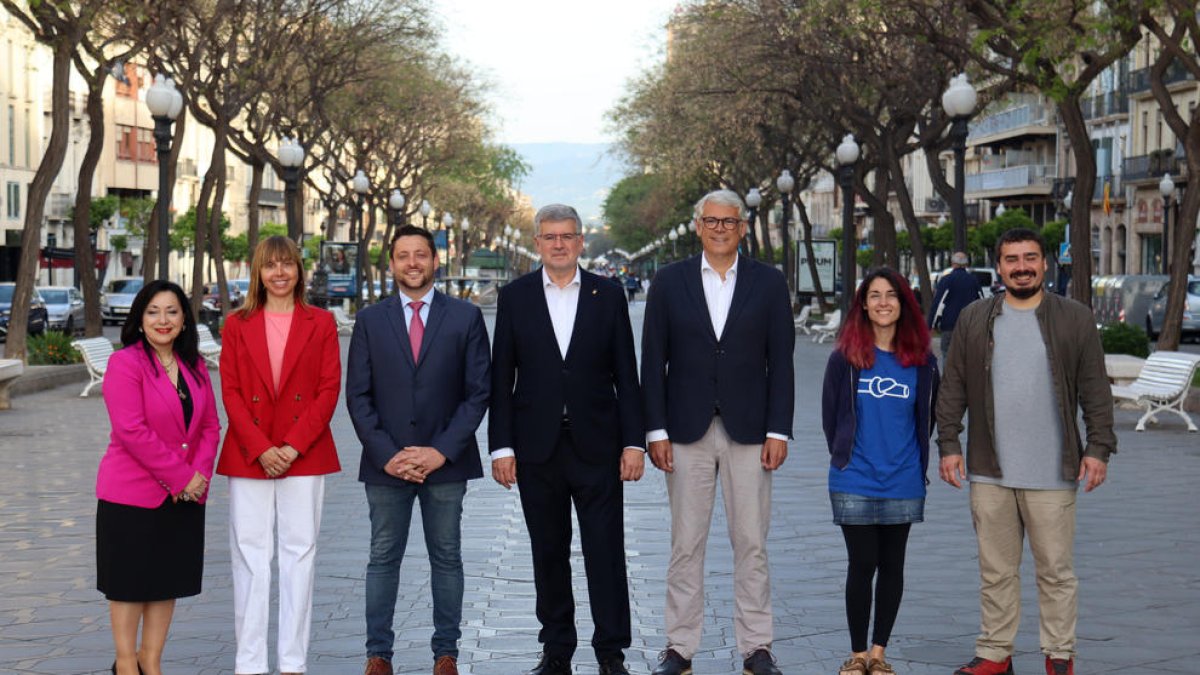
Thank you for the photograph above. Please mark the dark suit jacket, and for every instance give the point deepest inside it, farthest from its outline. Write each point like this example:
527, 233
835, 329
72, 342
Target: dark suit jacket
438, 401
596, 382
748, 374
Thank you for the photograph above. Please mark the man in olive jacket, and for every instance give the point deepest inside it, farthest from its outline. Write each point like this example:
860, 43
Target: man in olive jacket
1024, 363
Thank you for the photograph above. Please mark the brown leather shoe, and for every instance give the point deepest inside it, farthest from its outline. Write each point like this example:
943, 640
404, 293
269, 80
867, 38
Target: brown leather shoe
445, 665
377, 665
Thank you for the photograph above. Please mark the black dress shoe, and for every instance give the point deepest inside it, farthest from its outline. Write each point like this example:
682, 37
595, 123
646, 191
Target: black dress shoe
613, 665
551, 665
760, 663
671, 663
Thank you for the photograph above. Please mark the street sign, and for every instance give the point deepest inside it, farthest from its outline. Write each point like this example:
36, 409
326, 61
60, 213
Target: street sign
825, 254
1064, 253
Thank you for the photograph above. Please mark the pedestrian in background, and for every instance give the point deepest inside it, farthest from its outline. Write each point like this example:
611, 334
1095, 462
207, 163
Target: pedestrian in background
1024, 364
955, 290
153, 479
877, 412
566, 422
417, 385
281, 373
718, 383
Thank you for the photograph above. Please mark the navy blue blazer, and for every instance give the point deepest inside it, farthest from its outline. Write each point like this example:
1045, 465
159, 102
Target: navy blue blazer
687, 374
437, 401
596, 382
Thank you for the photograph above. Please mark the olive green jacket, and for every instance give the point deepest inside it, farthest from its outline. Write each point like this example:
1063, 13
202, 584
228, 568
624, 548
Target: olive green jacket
1077, 371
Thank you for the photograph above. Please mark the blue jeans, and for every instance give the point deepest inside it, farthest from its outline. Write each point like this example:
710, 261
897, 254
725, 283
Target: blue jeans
441, 519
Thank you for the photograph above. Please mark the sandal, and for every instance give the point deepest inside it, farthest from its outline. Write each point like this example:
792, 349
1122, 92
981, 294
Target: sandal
855, 665
879, 667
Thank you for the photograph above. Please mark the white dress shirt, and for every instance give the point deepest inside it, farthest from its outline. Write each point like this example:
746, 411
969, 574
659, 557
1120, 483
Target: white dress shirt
718, 295
408, 308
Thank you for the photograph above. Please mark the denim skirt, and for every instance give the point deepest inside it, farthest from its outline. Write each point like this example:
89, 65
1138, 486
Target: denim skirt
850, 509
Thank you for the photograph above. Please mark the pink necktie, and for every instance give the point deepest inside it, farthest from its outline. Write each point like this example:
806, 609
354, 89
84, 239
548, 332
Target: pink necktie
416, 329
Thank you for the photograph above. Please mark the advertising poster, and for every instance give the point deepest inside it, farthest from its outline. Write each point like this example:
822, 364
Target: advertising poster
339, 268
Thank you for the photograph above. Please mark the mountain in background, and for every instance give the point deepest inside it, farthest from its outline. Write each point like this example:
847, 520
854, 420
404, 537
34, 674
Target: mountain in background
578, 174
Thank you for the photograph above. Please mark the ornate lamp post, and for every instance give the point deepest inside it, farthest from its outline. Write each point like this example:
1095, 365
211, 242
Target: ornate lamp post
1167, 187
447, 223
463, 227
165, 103
426, 209
673, 236
785, 184
959, 103
361, 185
291, 156
847, 156
682, 231
753, 201
396, 202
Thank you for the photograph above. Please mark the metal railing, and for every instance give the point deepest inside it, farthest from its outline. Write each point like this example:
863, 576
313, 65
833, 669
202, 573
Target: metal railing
1153, 165
1139, 80
1108, 103
1011, 178
1014, 118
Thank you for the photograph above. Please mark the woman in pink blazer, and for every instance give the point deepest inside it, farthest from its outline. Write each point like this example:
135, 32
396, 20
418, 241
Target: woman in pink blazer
153, 479
281, 372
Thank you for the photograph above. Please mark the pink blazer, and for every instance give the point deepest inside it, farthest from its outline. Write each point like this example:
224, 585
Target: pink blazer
150, 455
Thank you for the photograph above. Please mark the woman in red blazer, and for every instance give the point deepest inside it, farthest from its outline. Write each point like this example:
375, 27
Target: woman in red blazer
281, 373
153, 478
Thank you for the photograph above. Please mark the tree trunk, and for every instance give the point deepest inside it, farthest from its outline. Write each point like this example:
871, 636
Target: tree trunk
85, 263
764, 219
913, 226
1081, 206
256, 179
39, 190
201, 236
215, 216
812, 258
877, 203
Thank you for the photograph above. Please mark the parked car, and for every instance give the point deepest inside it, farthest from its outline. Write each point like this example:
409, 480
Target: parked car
117, 297
64, 305
1124, 298
212, 296
243, 289
1191, 310
38, 317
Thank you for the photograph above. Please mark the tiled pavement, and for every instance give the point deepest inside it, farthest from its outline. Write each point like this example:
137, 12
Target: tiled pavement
1138, 559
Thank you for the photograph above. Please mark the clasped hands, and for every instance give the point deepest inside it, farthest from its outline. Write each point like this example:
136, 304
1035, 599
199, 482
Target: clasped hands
276, 461
414, 463
194, 490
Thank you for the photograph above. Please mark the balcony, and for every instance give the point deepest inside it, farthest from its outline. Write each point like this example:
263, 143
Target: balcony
1139, 80
1114, 192
1151, 166
1012, 180
271, 197
1033, 118
1105, 105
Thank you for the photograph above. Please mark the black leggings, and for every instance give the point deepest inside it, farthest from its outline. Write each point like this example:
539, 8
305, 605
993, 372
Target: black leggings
873, 548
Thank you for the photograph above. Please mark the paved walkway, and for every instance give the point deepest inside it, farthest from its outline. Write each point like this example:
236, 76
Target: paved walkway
1138, 559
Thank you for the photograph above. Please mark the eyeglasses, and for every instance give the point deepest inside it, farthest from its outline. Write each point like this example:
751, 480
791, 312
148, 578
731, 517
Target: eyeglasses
568, 238
720, 223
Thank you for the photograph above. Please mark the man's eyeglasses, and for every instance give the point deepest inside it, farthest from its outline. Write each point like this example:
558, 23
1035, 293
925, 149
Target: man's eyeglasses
720, 223
568, 238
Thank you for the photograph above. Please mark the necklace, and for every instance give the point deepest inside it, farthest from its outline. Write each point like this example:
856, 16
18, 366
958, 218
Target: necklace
167, 366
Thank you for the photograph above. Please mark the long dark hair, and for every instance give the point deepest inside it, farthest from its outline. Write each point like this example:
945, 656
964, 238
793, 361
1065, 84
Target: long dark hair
857, 339
186, 343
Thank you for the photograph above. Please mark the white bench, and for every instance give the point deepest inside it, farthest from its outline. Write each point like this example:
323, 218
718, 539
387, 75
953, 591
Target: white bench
95, 352
1162, 386
10, 369
345, 322
825, 331
801, 320
209, 349
1123, 369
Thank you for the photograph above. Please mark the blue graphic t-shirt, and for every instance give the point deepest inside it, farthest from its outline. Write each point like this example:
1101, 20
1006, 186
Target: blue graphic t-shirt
886, 461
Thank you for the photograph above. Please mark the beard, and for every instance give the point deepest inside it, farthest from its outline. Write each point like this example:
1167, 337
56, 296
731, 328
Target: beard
1023, 293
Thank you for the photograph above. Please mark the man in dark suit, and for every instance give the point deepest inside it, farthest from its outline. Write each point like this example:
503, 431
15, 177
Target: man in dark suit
566, 419
717, 379
417, 384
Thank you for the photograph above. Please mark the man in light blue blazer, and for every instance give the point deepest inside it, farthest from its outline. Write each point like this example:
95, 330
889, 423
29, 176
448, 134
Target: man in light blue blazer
417, 385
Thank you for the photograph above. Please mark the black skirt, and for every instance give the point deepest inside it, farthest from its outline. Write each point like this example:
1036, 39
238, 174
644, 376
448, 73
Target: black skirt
145, 555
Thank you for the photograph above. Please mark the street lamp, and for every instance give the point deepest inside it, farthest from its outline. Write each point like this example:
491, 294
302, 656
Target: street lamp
959, 103
291, 156
753, 201
447, 223
847, 155
1062, 267
165, 103
361, 185
673, 236
1000, 210
426, 209
1167, 187
682, 230
785, 183
462, 245
396, 202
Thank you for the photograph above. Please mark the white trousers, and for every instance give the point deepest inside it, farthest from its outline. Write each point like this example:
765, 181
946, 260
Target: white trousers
255, 507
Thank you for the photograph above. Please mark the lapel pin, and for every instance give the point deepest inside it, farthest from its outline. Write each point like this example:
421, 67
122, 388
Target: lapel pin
594, 291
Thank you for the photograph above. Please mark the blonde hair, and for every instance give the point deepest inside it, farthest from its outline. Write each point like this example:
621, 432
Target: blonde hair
270, 250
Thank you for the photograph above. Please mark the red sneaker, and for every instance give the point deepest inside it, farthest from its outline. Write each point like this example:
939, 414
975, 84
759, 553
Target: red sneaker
979, 666
1060, 666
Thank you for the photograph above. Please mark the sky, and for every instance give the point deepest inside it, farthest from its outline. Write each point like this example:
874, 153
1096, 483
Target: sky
556, 66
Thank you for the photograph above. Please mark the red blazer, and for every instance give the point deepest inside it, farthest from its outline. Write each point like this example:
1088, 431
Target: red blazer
299, 413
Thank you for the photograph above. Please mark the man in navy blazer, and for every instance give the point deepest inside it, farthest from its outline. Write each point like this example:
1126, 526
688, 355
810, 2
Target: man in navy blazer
566, 421
717, 378
417, 383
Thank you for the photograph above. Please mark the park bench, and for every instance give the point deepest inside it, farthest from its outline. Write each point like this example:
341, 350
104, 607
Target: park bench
801, 320
95, 352
209, 349
1162, 386
10, 369
825, 331
345, 322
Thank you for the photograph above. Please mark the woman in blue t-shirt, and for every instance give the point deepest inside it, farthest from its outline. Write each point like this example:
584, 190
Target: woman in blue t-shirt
877, 412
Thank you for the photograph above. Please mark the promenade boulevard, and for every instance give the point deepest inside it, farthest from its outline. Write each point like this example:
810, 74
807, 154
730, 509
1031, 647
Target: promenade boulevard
1137, 557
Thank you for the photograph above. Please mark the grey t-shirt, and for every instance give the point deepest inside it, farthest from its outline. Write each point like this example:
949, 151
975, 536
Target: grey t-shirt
1028, 430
